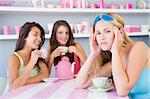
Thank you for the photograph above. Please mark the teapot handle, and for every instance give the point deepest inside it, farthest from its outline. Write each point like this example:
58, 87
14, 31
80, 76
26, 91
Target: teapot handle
72, 67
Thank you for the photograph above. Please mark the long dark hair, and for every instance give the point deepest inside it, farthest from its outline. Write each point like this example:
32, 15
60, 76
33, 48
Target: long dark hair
24, 32
53, 42
26, 28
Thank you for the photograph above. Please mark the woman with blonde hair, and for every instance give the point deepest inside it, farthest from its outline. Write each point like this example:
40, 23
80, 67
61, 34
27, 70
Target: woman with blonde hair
118, 56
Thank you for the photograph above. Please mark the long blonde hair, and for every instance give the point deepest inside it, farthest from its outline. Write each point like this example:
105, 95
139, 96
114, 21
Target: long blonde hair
105, 56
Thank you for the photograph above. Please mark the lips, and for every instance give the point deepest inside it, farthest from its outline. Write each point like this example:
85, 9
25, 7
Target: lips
37, 43
63, 41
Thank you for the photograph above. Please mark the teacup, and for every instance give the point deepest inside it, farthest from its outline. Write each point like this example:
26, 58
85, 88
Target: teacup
64, 49
102, 82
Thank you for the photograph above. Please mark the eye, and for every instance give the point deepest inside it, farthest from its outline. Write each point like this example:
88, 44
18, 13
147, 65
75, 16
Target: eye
108, 31
60, 32
67, 32
40, 35
35, 34
98, 33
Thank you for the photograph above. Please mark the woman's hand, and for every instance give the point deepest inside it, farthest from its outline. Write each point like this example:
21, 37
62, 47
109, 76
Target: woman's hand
34, 56
56, 52
72, 49
118, 39
95, 49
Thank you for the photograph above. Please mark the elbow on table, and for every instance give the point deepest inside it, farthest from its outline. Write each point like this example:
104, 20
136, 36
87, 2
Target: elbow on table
122, 92
45, 75
11, 87
78, 84
15, 85
81, 86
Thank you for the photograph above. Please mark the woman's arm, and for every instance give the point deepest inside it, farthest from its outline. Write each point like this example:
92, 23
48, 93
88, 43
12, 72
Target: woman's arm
44, 73
105, 71
57, 52
50, 62
13, 66
83, 74
81, 53
125, 79
16, 81
50, 59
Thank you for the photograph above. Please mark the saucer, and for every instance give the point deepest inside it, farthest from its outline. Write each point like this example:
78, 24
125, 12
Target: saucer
49, 80
93, 88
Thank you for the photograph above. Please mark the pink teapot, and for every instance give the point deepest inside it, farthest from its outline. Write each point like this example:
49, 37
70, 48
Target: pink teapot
64, 69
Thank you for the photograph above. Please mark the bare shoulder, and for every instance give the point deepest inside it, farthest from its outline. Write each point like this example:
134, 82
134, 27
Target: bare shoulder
140, 46
78, 45
13, 61
13, 58
139, 52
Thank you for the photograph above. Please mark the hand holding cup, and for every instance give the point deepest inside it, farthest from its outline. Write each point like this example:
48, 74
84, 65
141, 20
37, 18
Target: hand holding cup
63, 49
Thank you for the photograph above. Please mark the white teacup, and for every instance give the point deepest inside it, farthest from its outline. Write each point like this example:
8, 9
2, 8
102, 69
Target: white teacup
102, 82
64, 49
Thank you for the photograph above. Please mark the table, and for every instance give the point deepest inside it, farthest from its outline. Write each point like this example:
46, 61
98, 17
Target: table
62, 89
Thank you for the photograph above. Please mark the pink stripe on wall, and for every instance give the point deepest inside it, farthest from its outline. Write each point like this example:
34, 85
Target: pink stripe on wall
78, 94
45, 93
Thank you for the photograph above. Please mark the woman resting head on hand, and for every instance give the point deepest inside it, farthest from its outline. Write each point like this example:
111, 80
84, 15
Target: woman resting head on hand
116, 55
